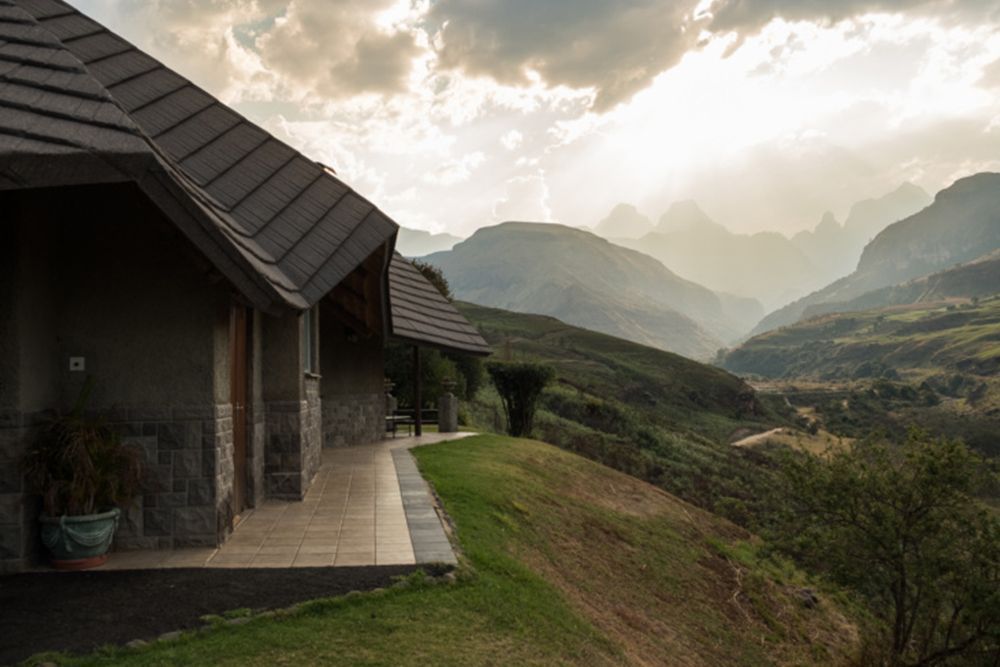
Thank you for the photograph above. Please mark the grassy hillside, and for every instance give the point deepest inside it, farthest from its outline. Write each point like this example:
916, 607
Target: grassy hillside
917, 341
659, 416
934, 365
583, 279
978, 278
565, 563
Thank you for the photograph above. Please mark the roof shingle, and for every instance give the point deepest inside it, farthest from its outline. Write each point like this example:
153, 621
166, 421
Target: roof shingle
68, 83
420, 313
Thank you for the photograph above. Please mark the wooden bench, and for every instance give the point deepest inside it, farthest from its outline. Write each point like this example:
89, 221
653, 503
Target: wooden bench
406, 418
393, 422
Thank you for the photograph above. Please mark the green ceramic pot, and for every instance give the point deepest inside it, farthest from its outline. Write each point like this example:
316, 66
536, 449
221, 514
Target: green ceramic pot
83, 539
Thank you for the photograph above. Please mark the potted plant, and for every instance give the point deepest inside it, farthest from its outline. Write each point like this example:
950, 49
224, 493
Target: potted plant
84, 474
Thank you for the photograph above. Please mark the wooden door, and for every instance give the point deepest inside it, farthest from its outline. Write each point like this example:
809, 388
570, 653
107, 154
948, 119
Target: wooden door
239, 393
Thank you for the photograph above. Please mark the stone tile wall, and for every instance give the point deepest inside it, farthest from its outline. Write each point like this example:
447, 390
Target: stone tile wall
221, 440
353, 419
312, 433
187, 458
187, 452
283, 449
293, 444
18, 513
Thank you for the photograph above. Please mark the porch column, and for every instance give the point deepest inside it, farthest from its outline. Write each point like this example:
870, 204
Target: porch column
418, 425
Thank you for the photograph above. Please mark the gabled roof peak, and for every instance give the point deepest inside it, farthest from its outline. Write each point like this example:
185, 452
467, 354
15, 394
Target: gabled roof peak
283, 227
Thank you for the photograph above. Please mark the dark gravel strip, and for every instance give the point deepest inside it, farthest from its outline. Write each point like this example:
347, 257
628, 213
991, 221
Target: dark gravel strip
79, 611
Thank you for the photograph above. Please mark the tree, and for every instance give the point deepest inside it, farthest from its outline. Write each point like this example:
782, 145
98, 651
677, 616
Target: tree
435, 367
435, 277
470, 368
900, 525
519, 386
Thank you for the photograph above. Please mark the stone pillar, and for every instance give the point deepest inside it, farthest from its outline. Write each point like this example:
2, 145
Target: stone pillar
448, 413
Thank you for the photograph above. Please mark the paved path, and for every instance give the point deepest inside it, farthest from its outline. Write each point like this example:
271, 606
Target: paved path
367, 505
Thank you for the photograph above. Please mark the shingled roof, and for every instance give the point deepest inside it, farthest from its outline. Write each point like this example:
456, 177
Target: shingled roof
421, 315
281, 227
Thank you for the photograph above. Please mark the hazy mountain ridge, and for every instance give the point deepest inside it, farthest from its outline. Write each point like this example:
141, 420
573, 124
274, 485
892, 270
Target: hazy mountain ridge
625, 222
978, 278
586, 280
961, 225
417, 243
765, 266
835, 249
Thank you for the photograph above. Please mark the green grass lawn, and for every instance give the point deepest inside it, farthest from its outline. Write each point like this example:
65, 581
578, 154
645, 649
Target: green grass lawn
564, 562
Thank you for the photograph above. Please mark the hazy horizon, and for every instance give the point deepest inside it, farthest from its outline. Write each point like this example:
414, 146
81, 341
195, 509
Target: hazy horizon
455, 115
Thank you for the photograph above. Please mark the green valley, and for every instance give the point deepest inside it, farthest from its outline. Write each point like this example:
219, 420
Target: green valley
654, 414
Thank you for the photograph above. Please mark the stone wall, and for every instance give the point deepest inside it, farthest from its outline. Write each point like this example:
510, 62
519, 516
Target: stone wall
181, 453
283, 464
353, 419
18, 513
294, 443
353, 370
220, 441
181, 449
312, 433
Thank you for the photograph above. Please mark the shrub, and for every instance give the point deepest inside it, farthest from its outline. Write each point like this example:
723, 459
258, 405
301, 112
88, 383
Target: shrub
519, 386
79, 465
900, 524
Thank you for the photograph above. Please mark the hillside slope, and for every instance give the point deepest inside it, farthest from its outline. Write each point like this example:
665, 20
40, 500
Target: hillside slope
978, 278
583, 279
565, 562
921, 339
653, 414
961, 225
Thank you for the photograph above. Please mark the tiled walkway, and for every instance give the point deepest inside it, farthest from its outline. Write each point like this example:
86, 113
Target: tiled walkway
367, 506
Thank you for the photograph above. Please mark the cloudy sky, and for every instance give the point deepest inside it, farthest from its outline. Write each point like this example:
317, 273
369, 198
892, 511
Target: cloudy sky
456, 114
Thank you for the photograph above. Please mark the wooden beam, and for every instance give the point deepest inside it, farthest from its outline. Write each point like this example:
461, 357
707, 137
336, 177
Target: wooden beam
418, 421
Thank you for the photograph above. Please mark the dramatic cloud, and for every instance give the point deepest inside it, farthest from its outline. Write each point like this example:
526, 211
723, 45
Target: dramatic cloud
511, 140
339, 49
455, 171
991, 75
454, 114
749, 16
526, 199
614, 48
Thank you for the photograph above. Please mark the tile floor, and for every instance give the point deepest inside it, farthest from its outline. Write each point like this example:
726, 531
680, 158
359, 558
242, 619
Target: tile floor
367, 506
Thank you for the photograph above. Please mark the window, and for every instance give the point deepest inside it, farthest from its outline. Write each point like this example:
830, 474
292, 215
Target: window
310, 340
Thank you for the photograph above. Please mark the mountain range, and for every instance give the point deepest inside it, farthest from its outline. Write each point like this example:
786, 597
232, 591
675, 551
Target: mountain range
585, 280
961, 225
834, 249
767, 266
417, 243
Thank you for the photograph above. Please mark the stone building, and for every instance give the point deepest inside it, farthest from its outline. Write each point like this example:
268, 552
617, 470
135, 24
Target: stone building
230, 297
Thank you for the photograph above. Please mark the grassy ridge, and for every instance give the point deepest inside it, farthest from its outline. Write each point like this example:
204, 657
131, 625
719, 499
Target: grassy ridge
919, 340
653, 414
565, 563
933, 365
